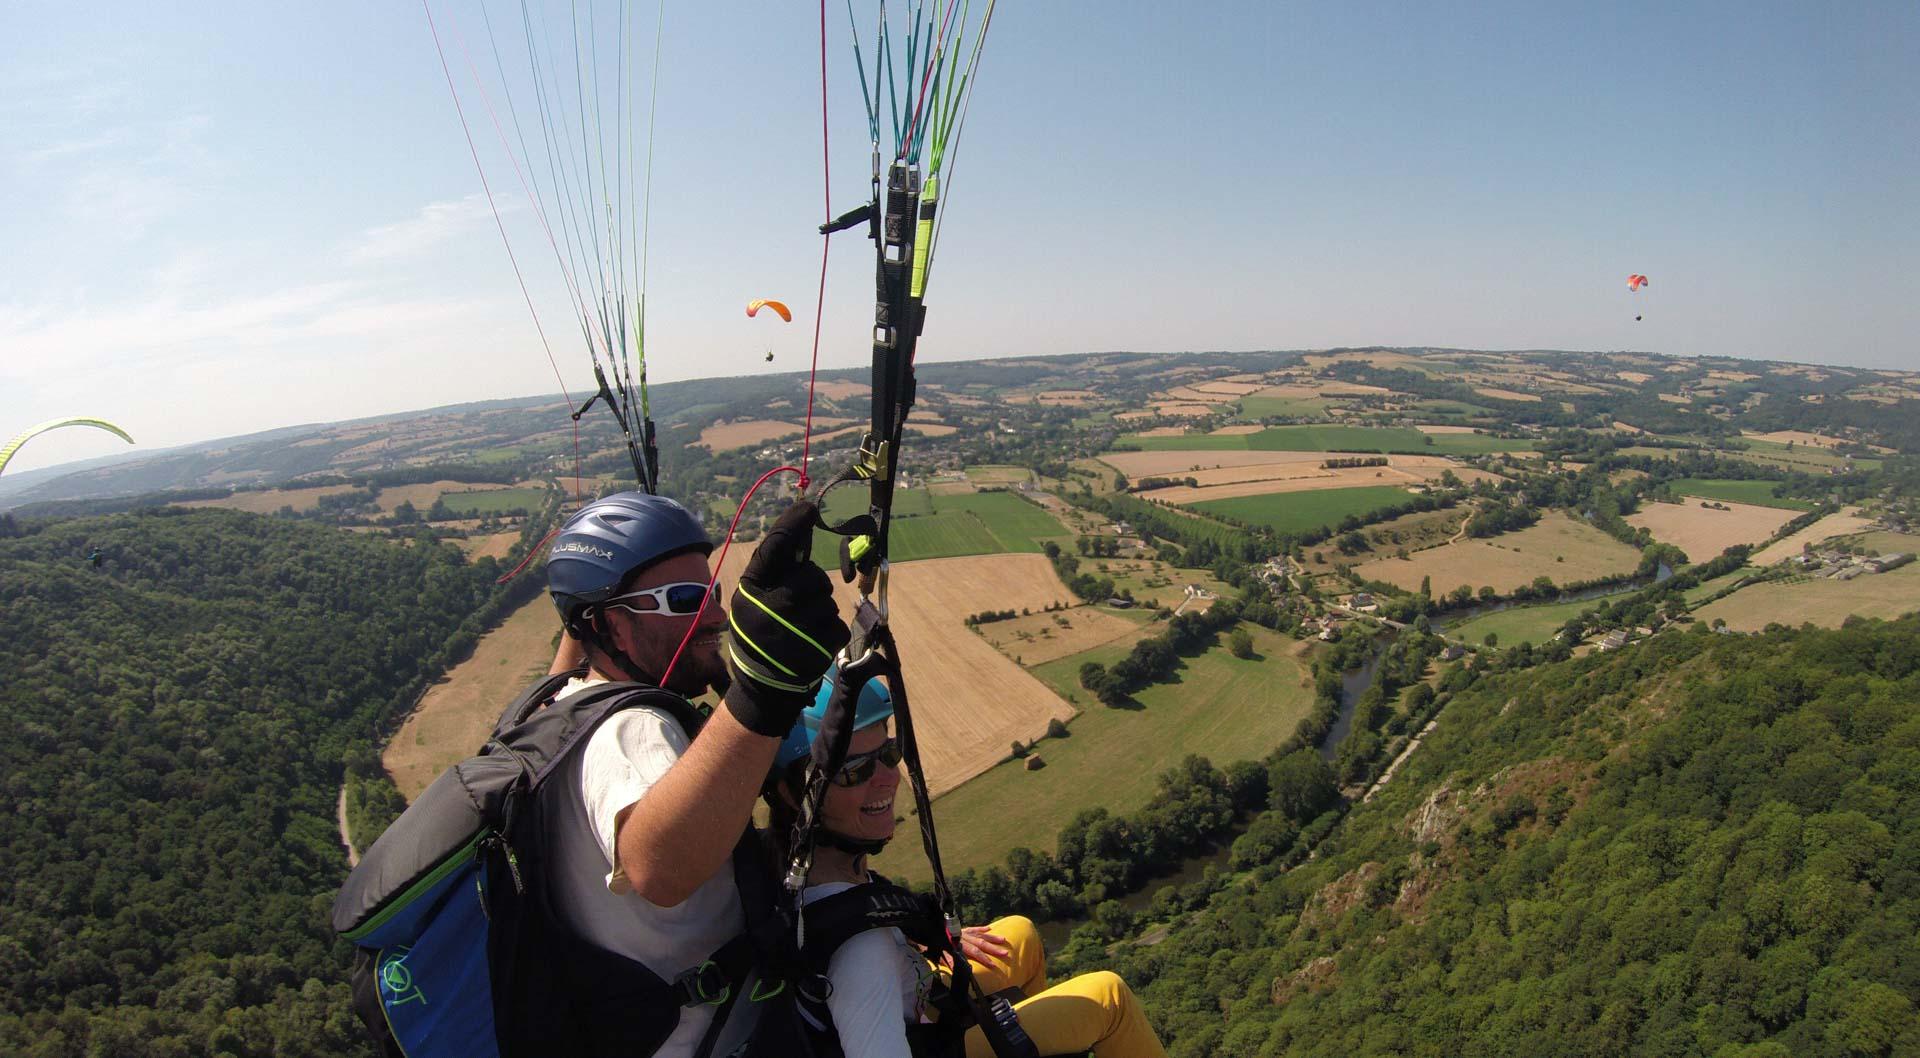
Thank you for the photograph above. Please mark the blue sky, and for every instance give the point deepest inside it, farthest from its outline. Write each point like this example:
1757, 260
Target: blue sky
223, 217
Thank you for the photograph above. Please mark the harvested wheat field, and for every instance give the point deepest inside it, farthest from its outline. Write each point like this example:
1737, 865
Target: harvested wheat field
1235, 389
1557, 546
1168, 431
1840, 524
1149, 464
1186, 411
1188, 393
1802, 437
841, 389
492, 545
455, 716
1703, 532
972, 701
1817, 600
1039, 638
741, 434
271, 500
1505, 394
1235, 429
1444, 429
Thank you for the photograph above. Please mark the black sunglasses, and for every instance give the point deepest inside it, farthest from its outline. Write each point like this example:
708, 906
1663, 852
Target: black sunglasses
859, 768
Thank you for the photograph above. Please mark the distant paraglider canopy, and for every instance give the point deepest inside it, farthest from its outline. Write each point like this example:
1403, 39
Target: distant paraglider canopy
6, 454
1635, 282
754, 307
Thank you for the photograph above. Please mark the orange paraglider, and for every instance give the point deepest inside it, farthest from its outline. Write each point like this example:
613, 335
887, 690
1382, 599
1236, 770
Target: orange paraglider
754, 307
1635, 282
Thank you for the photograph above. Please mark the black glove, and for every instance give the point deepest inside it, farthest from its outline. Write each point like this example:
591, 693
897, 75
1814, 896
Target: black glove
784, 627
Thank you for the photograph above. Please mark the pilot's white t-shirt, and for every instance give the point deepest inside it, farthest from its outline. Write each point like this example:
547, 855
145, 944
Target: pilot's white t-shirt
621, 761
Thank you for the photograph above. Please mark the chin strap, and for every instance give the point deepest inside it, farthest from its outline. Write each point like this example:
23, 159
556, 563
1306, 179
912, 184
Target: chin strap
855, 846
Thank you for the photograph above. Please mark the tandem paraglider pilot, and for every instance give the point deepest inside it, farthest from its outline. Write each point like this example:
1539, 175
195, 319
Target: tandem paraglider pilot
645, 835
604, 836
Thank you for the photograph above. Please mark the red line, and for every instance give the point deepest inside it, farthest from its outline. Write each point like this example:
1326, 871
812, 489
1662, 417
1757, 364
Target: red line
720, 560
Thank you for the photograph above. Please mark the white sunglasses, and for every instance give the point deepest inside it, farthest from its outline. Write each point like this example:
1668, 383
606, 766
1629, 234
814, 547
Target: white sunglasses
680, 599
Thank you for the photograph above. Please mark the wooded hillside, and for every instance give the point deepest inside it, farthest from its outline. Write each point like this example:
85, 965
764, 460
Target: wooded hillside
179, 719
1701, 845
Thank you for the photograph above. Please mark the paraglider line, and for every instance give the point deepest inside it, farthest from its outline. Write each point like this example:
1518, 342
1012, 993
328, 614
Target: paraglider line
826, 245
497, 223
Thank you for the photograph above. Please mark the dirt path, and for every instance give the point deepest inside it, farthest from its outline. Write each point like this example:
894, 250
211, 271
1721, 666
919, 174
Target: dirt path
340, 812
1412, 744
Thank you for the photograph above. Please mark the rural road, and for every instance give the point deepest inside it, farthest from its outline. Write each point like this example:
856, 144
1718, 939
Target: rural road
1412, 744
340, 812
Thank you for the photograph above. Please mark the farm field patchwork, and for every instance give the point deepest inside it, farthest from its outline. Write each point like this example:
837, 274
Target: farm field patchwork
1300, 512
1222, 708
1755, 491
1337, 439
1307, 475
423, 494
1557, 546
1703, 532
1818, 601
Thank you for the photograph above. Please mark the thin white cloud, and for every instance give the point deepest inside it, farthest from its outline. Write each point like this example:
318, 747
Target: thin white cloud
436, 223
59, 149
164, 331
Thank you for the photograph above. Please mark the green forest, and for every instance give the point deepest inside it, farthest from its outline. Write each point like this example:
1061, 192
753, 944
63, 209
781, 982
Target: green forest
1708, 845
181, 717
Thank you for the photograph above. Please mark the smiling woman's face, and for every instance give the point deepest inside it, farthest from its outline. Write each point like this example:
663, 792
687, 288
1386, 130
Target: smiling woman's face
864, 811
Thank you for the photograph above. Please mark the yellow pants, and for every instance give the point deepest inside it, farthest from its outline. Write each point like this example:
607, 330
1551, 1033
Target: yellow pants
1095, 1011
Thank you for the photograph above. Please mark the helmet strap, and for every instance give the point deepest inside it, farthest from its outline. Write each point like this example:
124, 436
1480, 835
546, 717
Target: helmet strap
852, 845
602, 644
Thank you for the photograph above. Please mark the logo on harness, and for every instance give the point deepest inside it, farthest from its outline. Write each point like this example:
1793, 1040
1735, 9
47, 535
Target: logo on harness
396, 981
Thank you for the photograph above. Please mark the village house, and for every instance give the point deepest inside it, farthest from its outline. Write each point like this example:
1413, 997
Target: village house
1613, 640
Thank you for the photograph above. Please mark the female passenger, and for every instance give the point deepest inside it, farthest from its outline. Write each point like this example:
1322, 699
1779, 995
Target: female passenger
880, 982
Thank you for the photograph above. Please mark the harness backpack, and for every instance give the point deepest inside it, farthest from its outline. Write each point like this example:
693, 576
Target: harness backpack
459, 952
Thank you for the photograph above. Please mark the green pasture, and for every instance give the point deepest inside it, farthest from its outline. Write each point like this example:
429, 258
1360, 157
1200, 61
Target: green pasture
1522, 624
1335, 439
1220, 707
1737, 491
929, 526
1284, 407
493, 501
1299, 512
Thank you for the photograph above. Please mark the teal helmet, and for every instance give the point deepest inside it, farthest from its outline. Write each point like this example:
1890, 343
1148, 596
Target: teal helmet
874, 706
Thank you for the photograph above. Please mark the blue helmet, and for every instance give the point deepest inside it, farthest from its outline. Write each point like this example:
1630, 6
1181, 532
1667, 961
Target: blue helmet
607, 540
875, 705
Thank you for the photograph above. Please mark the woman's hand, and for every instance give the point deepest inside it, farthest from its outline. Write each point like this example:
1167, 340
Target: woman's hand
984, 947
